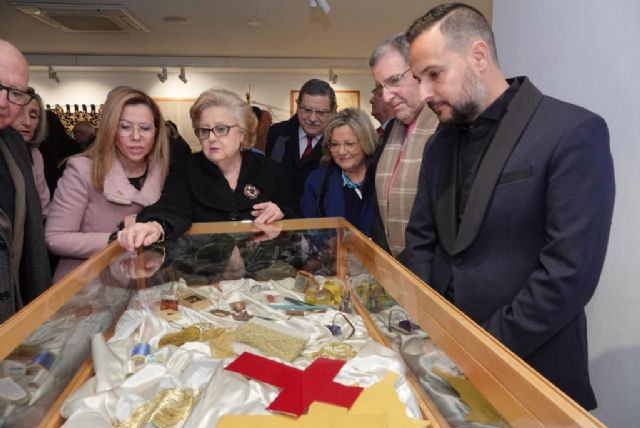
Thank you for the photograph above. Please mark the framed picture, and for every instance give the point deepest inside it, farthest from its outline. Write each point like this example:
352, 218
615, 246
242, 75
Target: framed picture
177, 110
345, 99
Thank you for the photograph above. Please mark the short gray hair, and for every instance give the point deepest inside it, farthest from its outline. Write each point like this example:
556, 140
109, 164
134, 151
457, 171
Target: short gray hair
395, 43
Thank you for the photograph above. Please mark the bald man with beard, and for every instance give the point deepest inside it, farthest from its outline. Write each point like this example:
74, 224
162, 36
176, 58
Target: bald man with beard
24, 264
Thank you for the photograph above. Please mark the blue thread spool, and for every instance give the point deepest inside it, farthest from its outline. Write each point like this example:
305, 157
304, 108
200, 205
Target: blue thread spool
142, 349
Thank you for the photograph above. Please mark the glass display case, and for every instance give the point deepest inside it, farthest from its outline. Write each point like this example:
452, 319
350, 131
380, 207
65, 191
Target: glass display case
331, 292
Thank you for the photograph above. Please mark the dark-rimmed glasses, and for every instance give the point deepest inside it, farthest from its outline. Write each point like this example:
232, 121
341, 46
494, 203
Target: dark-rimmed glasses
17, 96
218, 131
393, 81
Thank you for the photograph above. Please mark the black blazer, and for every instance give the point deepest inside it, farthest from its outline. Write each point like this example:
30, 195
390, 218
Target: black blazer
198, 192
527, 255
283, 147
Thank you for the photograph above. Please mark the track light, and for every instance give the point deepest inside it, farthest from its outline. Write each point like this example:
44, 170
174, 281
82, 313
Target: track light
163, 75
322, 4
333, 77
53, 75
182, 76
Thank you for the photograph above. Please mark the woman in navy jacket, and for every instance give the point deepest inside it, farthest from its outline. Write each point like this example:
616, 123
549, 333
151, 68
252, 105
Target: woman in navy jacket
343, 186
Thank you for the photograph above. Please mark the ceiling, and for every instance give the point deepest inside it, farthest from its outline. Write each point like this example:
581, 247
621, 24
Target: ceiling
219, 28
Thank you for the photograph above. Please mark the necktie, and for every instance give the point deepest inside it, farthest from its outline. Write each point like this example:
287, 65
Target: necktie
380, 132
309, 147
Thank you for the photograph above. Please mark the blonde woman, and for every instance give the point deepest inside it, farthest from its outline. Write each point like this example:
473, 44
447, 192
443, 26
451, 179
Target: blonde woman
342, 186
122, 172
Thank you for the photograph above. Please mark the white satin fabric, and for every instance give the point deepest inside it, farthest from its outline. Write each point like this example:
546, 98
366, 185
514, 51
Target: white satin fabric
110, 396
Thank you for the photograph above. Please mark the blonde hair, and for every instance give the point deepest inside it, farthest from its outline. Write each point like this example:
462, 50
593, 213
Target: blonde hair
242, 111
361, 125
104, 150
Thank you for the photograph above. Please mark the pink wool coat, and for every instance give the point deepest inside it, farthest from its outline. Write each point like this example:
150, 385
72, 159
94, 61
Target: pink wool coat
81, 218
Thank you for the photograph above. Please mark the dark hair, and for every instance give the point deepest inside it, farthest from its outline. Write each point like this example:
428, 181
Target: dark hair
395, 43
460, 24
318, 87
257, 112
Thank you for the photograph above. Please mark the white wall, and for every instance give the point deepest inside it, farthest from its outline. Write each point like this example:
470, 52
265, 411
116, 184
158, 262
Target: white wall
269, 89
586, 52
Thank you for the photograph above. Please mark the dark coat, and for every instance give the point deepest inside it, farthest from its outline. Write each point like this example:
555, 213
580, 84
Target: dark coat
198, 192
24, 263
283, 146
334, 197
530, 247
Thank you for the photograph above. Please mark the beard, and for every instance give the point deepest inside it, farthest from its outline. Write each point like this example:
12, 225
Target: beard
469, 106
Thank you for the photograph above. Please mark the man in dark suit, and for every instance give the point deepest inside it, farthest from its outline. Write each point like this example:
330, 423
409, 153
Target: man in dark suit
297, 143
511, 222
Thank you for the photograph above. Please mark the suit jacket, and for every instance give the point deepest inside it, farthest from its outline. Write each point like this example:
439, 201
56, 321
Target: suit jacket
24, 263
531, 243
81, 218
283, 147
334, 205
201, 193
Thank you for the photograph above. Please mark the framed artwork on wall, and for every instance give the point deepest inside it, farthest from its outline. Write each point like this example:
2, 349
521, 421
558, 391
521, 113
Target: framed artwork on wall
345, 99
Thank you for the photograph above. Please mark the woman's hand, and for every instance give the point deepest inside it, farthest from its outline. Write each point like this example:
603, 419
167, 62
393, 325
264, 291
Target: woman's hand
266, 212
140, 234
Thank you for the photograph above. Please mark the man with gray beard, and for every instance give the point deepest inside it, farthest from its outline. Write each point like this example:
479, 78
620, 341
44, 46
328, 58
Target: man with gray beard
511, 221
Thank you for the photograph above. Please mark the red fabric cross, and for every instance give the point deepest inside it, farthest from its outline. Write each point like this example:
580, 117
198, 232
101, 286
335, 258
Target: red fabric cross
300, 388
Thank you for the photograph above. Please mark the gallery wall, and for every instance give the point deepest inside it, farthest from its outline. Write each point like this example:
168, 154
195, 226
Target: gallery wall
585, 52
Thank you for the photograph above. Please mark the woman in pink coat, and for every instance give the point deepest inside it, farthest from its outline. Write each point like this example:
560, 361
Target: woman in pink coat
122, 172
32, 125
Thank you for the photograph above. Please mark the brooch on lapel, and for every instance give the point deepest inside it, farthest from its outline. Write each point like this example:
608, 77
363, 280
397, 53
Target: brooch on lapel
251, 191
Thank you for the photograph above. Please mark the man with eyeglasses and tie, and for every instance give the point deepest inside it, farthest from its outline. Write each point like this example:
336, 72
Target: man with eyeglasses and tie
399, 163
24, 263
296, 143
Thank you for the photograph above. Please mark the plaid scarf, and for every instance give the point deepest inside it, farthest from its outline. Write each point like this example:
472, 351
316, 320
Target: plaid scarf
395, 199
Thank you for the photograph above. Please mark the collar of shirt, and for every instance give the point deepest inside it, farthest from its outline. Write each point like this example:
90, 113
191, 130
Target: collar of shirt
302, 137
499, 107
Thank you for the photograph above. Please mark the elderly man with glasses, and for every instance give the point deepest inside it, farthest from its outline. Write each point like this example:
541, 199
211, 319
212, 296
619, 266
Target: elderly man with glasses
22, 247
399, 163
296, 143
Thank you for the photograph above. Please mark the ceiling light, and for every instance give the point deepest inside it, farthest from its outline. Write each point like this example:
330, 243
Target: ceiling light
53, 75
162, 76
176, 20
333, 77
322, 4
183, 75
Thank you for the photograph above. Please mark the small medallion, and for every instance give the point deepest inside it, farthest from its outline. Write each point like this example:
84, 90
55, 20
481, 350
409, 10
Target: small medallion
251, 191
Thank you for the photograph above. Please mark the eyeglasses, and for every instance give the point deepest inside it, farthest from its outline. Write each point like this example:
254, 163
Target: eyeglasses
218, 131
309, 111
393, 81
341, 326
126, 129
17, 96
403, 325
349, 146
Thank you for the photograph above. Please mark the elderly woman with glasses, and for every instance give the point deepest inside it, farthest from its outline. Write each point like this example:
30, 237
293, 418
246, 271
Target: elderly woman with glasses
342, 186
32, 125
122, 172
225, 181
